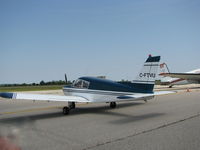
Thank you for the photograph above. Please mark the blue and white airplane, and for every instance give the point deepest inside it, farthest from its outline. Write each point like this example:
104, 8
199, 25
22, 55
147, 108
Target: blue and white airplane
96, 90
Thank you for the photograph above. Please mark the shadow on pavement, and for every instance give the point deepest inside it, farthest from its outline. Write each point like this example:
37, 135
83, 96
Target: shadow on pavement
97, 110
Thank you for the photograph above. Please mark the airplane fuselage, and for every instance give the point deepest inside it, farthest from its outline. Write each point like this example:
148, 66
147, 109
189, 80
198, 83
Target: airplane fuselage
103, 90
179, 81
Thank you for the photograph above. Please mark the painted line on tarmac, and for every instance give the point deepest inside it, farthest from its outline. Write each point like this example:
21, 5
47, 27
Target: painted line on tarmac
142, 132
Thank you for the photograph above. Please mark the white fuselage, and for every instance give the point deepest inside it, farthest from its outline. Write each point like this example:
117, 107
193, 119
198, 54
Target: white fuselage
98, 95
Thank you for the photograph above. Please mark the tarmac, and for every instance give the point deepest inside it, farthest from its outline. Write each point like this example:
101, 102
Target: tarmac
165, 122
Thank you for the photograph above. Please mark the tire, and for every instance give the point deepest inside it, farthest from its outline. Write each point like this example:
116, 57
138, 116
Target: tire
66, 110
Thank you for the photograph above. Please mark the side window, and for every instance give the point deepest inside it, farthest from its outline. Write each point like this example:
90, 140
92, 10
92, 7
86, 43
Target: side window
85, 84
81, 84
77, 84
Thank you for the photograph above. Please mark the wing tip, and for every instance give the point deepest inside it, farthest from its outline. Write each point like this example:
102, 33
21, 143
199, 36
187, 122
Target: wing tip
6, 95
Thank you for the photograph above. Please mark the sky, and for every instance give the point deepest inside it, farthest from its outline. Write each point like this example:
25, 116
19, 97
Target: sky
44, 39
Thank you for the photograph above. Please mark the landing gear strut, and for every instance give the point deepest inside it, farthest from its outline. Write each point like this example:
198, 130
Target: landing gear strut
71, 105
113, 104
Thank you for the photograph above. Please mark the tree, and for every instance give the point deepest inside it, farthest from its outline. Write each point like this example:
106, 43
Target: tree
42, 82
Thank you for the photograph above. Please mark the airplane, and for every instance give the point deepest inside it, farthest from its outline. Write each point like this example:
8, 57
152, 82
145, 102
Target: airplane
171, 79
98, 90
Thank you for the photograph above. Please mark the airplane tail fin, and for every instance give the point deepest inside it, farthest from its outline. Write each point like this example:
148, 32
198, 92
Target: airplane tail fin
164, 68
145, 80
164, 79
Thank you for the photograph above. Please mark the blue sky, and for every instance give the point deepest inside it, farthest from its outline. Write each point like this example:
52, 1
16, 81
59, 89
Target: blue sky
43, 39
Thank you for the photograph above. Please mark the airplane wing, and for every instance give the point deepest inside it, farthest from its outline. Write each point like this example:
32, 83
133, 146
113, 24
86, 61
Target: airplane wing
57, 98
187, 76
40, 97
144, 96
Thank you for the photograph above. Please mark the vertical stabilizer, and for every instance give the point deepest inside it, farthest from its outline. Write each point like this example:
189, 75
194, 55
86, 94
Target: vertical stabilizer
145, 79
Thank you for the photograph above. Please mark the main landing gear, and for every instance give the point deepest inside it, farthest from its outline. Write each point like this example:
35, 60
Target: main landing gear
71, 105
113, 104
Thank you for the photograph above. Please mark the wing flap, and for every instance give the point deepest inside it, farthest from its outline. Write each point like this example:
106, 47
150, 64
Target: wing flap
40, 97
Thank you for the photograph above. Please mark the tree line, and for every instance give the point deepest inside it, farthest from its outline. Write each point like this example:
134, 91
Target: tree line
41, 83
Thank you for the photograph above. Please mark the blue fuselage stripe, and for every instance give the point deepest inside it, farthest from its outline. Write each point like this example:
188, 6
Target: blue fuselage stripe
101, 92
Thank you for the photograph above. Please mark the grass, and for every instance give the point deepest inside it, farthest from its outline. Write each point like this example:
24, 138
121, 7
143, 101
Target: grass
30, 88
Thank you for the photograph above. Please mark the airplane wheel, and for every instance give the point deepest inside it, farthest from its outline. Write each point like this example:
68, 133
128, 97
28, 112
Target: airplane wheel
66, 110
113, 104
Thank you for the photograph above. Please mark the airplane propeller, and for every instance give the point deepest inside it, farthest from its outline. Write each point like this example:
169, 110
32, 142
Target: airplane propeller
65, 78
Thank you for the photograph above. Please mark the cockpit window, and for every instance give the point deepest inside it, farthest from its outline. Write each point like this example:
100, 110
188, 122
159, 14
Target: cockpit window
81, 84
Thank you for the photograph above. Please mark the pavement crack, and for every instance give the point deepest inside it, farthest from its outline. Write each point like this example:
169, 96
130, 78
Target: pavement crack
142, 132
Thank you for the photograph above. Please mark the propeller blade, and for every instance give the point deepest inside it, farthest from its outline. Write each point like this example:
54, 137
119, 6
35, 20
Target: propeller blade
65, 78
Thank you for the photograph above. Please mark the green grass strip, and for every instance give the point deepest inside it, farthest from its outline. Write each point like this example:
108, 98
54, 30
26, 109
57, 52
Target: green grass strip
30, 88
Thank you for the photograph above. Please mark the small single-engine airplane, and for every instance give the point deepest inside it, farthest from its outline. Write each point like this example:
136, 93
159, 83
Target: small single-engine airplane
171, 79
93, 90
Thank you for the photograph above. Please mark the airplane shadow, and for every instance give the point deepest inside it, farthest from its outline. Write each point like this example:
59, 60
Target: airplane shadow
133, 118
28, 119
99, 110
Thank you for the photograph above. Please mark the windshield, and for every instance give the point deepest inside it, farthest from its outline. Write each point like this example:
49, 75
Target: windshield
81, 84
